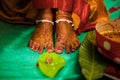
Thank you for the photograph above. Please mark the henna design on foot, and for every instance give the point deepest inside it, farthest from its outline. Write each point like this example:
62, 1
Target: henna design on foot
66, 37
43, 35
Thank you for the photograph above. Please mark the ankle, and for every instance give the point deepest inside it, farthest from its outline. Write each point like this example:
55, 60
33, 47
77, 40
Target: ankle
45, 14
63, 15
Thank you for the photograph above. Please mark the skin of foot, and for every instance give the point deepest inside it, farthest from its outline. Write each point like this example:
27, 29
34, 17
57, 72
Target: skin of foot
43, 35
66, 37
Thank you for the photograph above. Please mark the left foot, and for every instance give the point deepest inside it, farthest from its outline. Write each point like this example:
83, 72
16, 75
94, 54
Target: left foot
66, 37
43, 35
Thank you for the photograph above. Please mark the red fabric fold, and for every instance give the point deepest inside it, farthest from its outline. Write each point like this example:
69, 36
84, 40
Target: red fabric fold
66, 5
80, 7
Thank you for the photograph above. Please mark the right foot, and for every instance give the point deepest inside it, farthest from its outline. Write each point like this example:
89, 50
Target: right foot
66, 37
43, 35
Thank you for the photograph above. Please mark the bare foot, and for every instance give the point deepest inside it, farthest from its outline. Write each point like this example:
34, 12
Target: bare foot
42, 38
66, 37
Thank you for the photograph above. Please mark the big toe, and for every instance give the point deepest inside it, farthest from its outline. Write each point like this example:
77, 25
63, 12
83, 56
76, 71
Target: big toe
59, 49
50, 48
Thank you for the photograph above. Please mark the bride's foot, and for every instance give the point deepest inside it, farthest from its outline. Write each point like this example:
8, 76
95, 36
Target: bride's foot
66, 37
43, 35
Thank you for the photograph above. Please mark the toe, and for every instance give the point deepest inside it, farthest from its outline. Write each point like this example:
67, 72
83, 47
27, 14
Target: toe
50, 48
41, 47
30, 43
33, 46
75, 44
36, 47
59, 46
67, 46
40, 50
59, 49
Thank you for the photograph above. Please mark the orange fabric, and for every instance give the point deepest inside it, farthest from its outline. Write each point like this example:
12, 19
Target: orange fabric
76, 21
97, 13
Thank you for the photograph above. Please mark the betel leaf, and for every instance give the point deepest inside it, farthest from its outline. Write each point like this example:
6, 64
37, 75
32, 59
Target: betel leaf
91, 62
52, 68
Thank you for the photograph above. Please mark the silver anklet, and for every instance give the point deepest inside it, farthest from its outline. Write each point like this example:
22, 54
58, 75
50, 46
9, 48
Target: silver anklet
44, 20
64, 20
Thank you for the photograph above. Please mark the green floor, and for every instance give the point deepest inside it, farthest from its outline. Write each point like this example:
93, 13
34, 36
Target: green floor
18, 61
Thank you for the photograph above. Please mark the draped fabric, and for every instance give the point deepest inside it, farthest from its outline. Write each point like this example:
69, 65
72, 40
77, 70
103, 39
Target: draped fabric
80, 8
17, 11
97, 13
85, 13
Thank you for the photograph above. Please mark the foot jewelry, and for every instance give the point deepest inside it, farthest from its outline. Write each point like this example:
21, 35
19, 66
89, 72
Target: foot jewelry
45, 20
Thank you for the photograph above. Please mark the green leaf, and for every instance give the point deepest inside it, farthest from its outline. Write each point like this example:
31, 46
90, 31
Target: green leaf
51, 69
91, 62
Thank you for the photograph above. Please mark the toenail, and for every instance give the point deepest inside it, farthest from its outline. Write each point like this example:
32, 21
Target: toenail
73, 49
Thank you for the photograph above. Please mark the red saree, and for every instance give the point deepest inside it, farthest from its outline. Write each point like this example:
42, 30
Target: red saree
84, 12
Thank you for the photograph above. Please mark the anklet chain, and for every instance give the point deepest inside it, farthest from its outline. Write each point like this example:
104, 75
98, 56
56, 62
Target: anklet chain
45, 20
64, 20
57, 21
